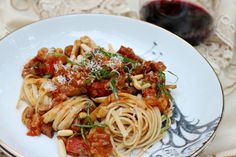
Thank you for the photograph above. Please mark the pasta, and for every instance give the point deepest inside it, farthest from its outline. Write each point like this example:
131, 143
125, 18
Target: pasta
132, 124
99, 102
63, 115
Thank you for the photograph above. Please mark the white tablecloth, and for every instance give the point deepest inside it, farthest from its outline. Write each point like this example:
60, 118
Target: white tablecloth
224, 144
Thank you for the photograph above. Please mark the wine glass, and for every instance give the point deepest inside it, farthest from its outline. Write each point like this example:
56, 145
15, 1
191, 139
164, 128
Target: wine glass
186, 19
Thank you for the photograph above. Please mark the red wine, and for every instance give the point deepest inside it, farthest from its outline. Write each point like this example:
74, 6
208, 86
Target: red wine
185, 19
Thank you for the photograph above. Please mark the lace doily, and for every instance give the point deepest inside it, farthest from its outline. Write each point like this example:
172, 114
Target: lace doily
217, 53
50, 8
218, 49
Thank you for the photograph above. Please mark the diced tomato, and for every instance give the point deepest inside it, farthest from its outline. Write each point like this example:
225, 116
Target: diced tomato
58, 98
158, 66
100, 143
34, 125
76, 146
149, 95
160, 103
151, 77
98, 89
147, 66
41, 55
47, 129
51, 60
122, 86
34, 67
120, 82
68, 50
43, 63
138, 70
149, 92
68, 90
129, 53
150, 99
27, 114
163, 103
97, 144
155, 66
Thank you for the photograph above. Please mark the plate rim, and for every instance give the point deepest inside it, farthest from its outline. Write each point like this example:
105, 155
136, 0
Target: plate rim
7, 150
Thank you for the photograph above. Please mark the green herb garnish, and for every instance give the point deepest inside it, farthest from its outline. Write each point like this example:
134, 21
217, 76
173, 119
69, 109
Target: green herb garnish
166, 92
158, 87
88, 81
132, 62
162, 76
128, 60
166, 122
90, 126
162, 89
70, 61
87, 55
82, 133
47, 76
67, 58
126, 69
161, 86
107, 54
113, 88
101, 74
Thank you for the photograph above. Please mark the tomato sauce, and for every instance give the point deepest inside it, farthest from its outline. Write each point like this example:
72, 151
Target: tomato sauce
96, 143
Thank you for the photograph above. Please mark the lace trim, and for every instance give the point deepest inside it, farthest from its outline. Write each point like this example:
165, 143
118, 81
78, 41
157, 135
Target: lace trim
217, 53
49, 8
218, 49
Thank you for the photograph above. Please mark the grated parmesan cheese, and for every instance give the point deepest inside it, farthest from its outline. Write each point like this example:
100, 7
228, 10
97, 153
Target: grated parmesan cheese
117, 59
114, 61
66, 67
61, 79
49, 86
94, 66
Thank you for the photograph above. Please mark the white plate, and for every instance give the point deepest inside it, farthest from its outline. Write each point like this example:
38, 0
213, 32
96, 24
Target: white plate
198, 97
